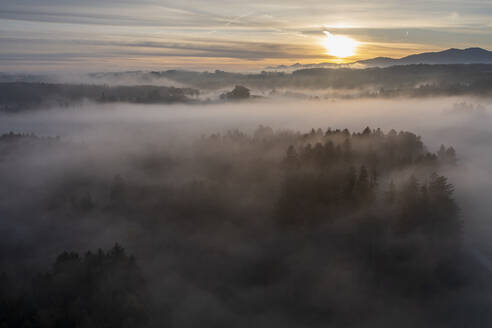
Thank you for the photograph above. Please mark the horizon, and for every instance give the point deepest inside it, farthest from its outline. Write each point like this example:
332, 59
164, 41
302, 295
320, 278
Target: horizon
272, 68
53, 35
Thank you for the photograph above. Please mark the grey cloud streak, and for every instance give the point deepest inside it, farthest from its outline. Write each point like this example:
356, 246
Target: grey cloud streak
211, 48
285, 31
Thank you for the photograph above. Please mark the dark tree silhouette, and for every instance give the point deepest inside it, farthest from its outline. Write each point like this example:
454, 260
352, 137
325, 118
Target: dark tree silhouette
101, 289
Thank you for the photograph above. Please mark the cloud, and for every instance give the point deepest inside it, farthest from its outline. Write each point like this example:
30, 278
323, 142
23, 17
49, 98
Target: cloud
289, 26
454, 15
186, 48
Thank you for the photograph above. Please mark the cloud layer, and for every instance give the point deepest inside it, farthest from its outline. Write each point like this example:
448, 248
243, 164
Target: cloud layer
151, 34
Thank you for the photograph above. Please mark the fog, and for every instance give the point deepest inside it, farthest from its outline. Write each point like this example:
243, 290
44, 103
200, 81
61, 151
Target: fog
106, 131
100, 141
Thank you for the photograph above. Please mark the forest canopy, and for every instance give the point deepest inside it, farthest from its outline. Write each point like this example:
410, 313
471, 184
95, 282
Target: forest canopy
238, 228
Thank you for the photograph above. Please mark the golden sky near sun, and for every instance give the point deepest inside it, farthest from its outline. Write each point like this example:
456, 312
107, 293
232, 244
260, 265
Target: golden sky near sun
230, 35
340, 46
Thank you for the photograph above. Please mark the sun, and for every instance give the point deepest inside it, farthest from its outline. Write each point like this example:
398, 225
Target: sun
340, 46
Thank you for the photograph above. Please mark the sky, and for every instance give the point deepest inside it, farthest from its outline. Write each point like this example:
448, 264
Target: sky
116, 35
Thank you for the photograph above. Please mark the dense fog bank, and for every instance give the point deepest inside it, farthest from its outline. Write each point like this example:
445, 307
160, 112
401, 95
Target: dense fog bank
461, 122
264, 213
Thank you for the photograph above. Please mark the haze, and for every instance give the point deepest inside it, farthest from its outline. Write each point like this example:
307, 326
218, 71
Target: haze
245, 164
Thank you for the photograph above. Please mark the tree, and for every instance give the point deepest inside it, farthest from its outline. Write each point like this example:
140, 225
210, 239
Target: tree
363, 182
408, 205
102, 289
350, 183
238, 93
442, 152
390, 195
117, 189
373, 183
451, 156
347, 149
446, 225
440, 189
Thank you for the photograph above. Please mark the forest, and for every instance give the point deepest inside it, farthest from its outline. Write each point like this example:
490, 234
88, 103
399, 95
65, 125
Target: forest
18, 96
276, 227
406, 79
245, 164
24, 92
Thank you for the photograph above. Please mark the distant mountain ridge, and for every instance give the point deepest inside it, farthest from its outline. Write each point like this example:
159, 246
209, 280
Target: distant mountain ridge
449, 56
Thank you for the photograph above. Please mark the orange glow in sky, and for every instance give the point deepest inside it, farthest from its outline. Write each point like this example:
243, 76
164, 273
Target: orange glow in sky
339, 45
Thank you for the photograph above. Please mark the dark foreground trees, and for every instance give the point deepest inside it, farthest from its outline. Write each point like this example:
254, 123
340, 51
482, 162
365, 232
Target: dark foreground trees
101, 289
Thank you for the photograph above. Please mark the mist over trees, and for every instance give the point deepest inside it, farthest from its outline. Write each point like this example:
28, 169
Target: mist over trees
405, 80
33, 92
238, 93
277, 227
231, 164
19, 96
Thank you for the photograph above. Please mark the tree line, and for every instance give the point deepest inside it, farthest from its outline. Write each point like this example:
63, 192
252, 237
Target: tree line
324, 227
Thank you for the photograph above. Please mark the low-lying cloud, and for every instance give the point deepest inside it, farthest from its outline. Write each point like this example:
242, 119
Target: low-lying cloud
50, 186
